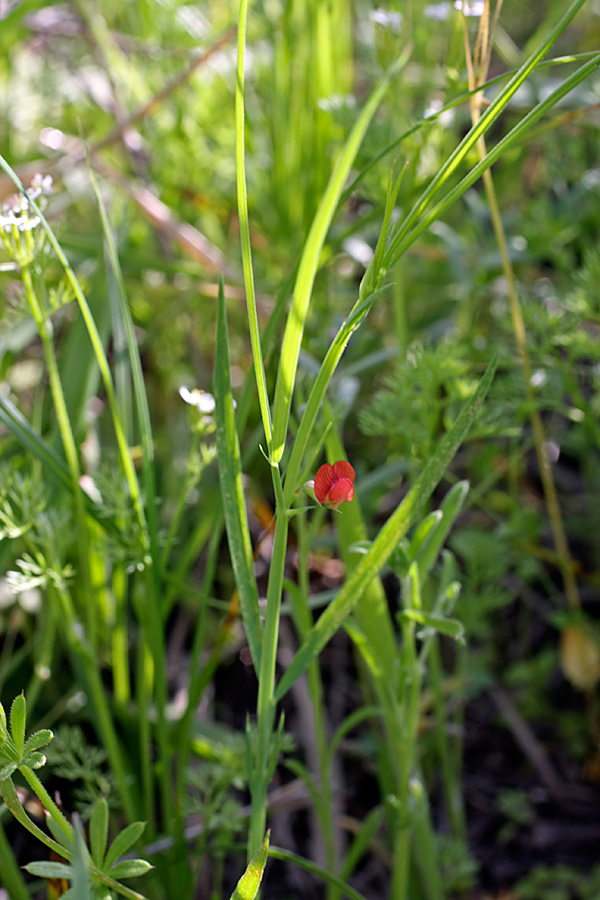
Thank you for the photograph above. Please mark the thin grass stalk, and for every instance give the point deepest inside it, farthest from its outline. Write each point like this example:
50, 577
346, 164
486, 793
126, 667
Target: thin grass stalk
452, 104
513, 137
97, 347
549, 488
242, 199
266, 706
44, 327
408, 695
153, 623
408, 225
119, 640
451, 778
199, 675
104, 721
303, 621
12, 877
309, 263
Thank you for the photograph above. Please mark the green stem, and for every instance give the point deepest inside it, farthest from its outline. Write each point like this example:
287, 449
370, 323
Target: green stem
303, 621
46, 800
266, 686
44, 326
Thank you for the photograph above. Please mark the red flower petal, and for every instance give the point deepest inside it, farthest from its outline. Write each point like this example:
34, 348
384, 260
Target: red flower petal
323, 481
342, 490
343, 469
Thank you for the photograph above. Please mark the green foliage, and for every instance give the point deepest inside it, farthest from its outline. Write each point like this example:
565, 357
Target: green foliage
74, 759
375, 304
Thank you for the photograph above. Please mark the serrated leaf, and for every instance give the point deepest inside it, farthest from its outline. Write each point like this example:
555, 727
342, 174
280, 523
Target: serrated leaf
130, 868
99, 831
37, 740
18, 715
123, 842
49, 869
249, 883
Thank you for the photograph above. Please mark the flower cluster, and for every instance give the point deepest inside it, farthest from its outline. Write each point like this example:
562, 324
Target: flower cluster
15, 212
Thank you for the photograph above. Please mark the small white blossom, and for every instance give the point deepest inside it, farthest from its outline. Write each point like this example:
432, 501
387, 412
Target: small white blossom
202, 400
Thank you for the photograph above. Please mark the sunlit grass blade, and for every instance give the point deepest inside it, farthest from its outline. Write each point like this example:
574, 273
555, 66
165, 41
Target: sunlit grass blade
154, 625
452, 104
309, 263
96, 342
513, 136
469, 141
242, 200
232, 492
16, 423
318, 390
381, 548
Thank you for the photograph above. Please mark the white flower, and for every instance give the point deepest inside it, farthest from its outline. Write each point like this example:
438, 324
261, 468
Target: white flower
202, 400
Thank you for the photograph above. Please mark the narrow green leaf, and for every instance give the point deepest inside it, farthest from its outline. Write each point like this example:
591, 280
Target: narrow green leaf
49, 870
80, 864
18, 715
37, 740
99, 831
57, 832
12, 876
451, 506
242, 201
509, 140
308, 866
7, 770
424, 533
334, 354
232, 493
249, 883
309, 263
122, 843
451, 627
34, 760
31, 440
130, 868
387, 539
398, 243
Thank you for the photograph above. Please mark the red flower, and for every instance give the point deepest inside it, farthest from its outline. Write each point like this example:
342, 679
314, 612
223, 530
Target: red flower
335, 484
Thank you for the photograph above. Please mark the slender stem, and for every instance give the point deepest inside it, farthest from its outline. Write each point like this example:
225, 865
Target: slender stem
549, 488
266, 686
44, 326
46, 800
242, 199
303, 621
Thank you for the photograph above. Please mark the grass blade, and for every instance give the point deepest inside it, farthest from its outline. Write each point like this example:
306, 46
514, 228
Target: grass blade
309, 263
230, 477
470, 140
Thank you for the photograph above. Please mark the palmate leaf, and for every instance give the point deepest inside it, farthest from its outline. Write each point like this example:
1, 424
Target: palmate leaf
387, 539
